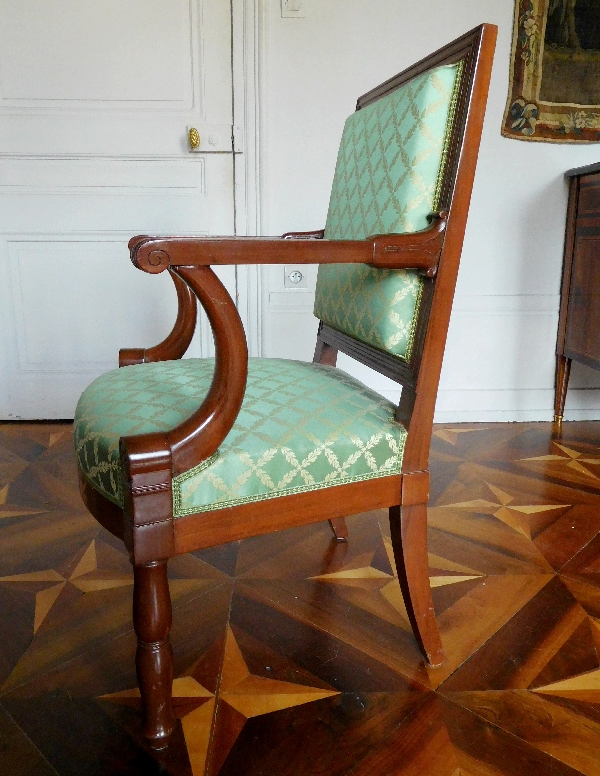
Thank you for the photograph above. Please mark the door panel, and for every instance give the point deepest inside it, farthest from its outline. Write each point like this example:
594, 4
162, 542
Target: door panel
43, 59
117, 77
95, 104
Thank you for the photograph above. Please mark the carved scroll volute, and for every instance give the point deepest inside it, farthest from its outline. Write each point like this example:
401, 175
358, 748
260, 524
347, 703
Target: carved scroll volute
147, 258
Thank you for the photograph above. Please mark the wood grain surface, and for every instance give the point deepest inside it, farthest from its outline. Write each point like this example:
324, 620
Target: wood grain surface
293, 653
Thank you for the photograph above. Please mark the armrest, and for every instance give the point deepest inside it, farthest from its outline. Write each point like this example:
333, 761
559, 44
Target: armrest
151, 459
178, 341
417, 250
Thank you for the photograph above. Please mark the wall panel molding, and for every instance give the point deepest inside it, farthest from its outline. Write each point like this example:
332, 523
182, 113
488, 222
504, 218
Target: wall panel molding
248, 21
57, 330
114, 70
128, 90
109, 175
499, 363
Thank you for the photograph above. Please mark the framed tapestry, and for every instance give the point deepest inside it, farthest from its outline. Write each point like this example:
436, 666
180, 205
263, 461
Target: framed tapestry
554, 92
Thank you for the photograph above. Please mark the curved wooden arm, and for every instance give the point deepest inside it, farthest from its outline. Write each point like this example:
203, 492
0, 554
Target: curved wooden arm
150, 460
200, 435
178, 341
415, 250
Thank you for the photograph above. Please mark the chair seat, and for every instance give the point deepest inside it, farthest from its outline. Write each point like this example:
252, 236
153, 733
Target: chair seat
301, 427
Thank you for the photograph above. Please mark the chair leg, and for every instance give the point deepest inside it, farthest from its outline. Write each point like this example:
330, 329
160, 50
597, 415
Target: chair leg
339, 528
409, 539
154, 656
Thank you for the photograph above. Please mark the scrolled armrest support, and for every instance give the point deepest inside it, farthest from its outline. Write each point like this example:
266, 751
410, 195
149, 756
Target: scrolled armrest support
200, 435
151, 461
178, 341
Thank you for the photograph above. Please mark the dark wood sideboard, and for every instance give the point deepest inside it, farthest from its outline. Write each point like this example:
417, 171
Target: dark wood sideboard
579, 320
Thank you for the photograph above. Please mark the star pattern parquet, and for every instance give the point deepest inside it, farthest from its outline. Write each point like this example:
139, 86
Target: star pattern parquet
293, 653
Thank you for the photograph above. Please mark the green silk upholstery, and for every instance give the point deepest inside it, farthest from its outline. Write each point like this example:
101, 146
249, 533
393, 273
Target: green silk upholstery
301, 427
387, 179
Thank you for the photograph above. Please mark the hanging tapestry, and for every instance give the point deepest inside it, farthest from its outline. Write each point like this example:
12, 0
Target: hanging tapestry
554, 92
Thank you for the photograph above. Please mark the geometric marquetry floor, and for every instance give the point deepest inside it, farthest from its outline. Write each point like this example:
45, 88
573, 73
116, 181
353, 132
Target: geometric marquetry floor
293, 655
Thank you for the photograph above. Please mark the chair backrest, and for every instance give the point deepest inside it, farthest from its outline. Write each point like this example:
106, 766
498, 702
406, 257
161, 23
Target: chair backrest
388, 177
407, 152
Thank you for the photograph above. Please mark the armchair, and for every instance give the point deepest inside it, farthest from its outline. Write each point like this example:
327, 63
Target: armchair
177, 455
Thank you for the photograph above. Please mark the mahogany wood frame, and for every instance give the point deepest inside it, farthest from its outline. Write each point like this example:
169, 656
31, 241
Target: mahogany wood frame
578, 322
150, 461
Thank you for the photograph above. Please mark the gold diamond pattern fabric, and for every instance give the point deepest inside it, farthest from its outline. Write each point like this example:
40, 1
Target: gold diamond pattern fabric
388, 172
301, 427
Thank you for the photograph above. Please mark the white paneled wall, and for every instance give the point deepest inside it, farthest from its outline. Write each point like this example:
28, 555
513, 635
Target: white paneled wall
499, 361
80, 174
95, 104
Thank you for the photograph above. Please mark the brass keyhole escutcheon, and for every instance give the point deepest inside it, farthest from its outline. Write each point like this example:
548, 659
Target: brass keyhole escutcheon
194, 137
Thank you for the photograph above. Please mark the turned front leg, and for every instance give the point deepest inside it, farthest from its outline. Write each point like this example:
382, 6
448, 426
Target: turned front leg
154, 656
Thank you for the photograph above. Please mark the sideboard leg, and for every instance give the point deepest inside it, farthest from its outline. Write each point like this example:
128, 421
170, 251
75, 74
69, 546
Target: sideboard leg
563, 370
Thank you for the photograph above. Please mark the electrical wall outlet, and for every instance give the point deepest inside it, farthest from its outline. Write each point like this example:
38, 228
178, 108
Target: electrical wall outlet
294, 9
295, 276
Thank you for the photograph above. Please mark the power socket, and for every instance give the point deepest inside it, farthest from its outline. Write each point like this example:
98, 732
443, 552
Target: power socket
293, 9
295, 276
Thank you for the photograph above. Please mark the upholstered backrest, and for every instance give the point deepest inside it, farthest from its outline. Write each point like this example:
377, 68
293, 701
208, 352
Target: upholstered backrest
388, 178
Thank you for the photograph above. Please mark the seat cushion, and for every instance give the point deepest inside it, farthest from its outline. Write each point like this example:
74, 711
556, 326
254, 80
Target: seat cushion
301, 427
387, 179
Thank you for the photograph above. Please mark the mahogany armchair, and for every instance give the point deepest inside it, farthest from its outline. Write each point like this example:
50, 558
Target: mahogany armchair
177, 455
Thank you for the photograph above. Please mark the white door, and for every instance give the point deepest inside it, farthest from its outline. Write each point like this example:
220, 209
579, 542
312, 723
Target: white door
96, 98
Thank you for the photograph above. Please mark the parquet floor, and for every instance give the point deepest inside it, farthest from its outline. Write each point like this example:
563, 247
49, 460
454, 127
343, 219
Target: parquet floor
293, 654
